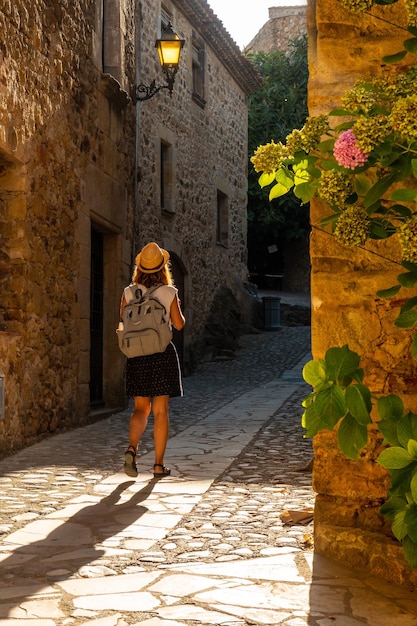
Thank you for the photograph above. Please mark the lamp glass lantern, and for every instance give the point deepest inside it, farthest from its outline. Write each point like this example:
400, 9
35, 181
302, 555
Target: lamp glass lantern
169, 48
169, 51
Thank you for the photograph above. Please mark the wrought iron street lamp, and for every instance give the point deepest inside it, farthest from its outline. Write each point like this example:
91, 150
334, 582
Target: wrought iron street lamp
169, 51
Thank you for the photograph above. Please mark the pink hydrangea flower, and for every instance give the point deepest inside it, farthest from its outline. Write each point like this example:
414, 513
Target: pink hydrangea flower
347, 153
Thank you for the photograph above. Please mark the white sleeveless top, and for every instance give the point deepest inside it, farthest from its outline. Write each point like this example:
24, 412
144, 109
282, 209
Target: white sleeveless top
164, 293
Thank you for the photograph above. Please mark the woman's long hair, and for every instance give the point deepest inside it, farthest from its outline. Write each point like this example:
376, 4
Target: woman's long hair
164, 276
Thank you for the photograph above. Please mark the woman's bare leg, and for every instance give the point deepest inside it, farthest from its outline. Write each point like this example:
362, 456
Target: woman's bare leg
138, 423
161, 429
138, 420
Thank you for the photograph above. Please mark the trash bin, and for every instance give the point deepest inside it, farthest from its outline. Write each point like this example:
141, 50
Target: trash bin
272, 312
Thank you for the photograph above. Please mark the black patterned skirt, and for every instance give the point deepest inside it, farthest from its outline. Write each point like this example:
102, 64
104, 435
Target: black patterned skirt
154, 375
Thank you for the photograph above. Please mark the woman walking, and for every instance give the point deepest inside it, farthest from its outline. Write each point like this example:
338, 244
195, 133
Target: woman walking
153, 379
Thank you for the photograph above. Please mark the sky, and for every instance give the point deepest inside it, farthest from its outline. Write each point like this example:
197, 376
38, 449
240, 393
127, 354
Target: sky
244, 18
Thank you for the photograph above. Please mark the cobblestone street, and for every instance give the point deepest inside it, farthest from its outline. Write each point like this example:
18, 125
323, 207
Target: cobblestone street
83, 544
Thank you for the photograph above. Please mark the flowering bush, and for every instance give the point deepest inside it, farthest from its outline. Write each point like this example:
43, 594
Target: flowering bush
365, 169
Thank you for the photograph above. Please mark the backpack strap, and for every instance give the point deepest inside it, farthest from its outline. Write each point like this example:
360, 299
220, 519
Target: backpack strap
130, 292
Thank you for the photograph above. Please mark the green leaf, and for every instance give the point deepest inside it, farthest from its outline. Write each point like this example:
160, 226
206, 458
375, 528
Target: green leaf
407, 428
390, 407
409, 304
400, 209
330, 405
412, 30
381, 229
341, 362
311, 421
413, 487
314, 373
395, 458
362, 184
301, 176
266, 178
410, 520
277, 191
388, 428
400, 480
412, 448
379, 109
358, 375
388, 293
408, 279
328, 165
411, 45
414, 167
344, 126
410, 551
351, 436
414, 347
393, 506
399, 527
403, 195
340, 112
304, 191
394, 58
314, 172
284, 177
326, 145
329, 220
408, 319
378, 189
411, 267
358, 403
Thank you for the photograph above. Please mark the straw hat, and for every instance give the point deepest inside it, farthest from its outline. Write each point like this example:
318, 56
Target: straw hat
151, 258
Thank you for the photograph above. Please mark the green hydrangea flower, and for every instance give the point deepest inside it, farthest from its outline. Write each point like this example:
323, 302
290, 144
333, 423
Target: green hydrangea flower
357, 5
360, 99
403, 117
335, 187
269, 157
411, 8
353, 227
371, 131
407, 236
309, 136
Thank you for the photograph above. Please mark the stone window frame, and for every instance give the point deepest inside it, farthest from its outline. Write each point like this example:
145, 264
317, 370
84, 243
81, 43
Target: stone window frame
166, 162
108, 50
166, 17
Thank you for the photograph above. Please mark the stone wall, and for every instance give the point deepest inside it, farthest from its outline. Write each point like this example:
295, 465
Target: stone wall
58, 123
285, 24
208, 141
80, 193
342, 47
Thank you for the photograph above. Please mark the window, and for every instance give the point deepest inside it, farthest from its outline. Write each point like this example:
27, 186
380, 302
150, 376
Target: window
166, 18
166, 177
198, 69
222, 221
113, 40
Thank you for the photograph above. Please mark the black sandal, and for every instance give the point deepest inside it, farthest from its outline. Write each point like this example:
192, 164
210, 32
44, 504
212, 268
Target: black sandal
130, 465
165, 471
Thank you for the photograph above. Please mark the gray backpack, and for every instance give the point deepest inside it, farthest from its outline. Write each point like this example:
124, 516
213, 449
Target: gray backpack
144, 329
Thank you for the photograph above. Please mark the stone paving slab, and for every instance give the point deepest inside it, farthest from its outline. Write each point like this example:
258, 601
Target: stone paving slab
83, 544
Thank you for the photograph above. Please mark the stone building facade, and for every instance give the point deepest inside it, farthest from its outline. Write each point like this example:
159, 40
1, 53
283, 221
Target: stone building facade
192, 162
285, 24
82, 170
343, 47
